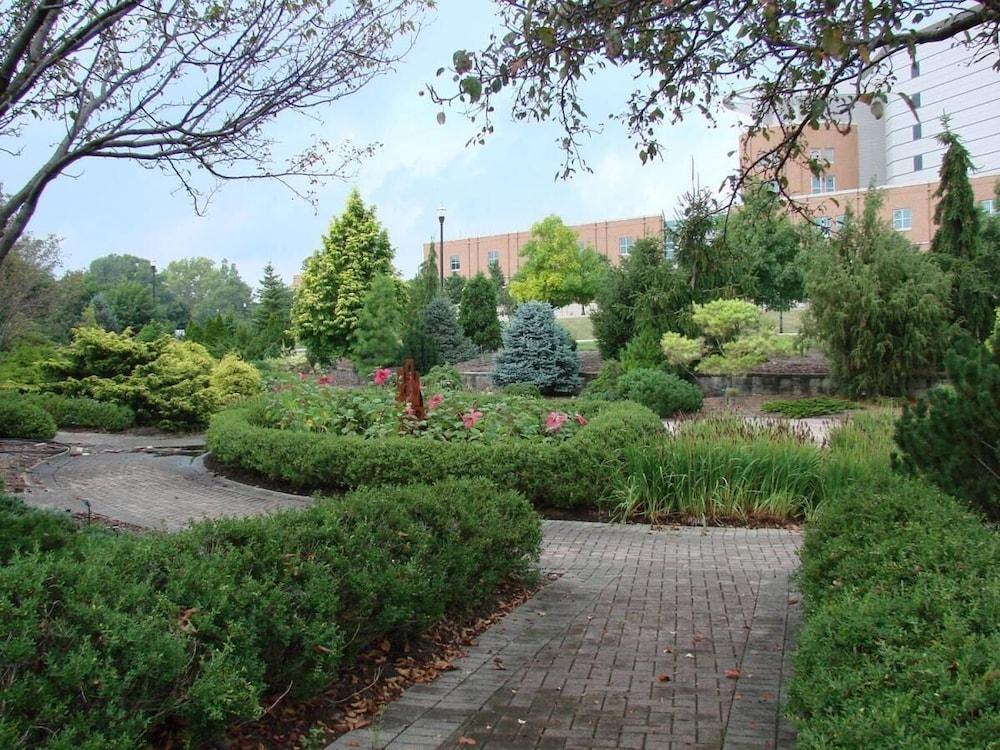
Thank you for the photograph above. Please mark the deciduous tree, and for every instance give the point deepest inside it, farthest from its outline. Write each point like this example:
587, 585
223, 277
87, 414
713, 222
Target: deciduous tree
803, 62
186, 85
557, 269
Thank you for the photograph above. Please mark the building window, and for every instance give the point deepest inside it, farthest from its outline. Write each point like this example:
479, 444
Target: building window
825, 223
625, 245
838, 222
918, 162
914, 69
815, 154
918, 132
829, 183
902, 219
828, 155
817, 186
456, 264
493, 256
916, 100
989, 205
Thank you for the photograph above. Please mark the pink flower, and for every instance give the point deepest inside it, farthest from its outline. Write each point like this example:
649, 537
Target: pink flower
382, 375
325, 380
580, 419
555, 420
470, 419
436, 400
302, 376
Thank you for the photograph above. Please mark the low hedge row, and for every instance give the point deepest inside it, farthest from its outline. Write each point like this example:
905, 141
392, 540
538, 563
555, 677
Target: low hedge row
120, 642
20, 419
63, 411
901, 642
576, 472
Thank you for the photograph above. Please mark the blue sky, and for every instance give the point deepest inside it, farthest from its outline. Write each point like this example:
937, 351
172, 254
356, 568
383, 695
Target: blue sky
506, 185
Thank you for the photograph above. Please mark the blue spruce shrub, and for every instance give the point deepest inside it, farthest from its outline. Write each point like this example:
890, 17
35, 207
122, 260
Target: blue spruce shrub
536, 350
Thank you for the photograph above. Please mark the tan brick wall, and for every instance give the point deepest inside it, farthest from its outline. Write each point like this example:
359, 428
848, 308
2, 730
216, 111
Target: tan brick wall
603, 236
843, 166
919, 198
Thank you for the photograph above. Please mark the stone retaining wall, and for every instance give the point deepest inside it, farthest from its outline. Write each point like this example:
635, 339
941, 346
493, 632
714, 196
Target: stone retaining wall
801, 384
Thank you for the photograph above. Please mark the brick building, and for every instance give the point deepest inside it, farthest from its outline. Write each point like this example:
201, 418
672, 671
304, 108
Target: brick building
612, 239
899, 153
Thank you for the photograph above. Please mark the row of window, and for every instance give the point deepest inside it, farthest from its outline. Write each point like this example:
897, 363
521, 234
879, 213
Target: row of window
625, 245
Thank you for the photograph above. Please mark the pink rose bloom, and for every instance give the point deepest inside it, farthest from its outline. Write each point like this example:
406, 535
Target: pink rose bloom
580, 419
382, 375
436, 400
555, 420
470, 419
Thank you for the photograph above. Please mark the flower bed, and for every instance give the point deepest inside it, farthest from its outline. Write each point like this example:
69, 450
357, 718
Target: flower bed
558, 453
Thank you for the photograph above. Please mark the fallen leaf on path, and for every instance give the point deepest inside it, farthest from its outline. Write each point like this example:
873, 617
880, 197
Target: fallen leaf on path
663, 678
467, 741
733, 674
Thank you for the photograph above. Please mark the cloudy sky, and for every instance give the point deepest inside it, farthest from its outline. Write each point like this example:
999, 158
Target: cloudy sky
506, 185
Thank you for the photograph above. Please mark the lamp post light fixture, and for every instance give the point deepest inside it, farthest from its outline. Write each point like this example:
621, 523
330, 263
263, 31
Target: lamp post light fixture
441, 245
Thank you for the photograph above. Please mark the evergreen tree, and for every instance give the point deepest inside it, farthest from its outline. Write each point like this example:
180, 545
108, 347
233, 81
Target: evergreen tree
380, 322
957, 243
537, 350
712, 267
272, 317
442, 326
504, 300
478, 313
336, 278
453, 287
877, 304
426, 285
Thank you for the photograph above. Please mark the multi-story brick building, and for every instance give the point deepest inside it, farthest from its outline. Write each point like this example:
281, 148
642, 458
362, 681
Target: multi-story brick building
899, 153
613, 239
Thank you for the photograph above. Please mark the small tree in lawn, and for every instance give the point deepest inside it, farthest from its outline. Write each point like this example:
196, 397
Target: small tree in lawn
380, 323
441, 325
478, 313
537, 350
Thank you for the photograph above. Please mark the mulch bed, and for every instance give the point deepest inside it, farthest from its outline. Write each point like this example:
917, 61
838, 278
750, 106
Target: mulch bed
379, 677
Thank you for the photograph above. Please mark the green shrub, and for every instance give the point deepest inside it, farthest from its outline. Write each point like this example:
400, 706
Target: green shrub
21, 419
235, 380
901, 642
536, 350
681, 351
662, 392
83, 412
952, 437
24, 529
563, 473
643, 352
530, 390
21, 367
127, 637
167, 383
442, 378
605, 385
724, 320
817, 406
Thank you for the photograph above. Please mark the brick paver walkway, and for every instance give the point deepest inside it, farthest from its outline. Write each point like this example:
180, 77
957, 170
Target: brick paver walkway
582, 661
136, 479
628, 648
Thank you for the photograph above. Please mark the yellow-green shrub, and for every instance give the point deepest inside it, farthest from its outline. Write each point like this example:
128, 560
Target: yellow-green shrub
235, 380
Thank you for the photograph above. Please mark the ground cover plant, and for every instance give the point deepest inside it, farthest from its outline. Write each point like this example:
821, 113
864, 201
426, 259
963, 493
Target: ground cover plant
817, 406
558, 453
164, 639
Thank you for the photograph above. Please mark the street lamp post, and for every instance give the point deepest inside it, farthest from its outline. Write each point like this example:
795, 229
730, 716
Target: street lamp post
441, 245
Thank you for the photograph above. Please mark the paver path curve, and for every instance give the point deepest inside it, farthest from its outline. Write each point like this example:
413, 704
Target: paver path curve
628, 648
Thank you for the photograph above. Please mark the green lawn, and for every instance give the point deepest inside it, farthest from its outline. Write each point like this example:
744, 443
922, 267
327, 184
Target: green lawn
792, 318
579, 328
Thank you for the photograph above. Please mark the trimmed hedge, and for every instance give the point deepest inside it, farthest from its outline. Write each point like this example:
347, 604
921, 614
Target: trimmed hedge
84, 412
662, 392
21, 419
576, 472
119, 641
901, 643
